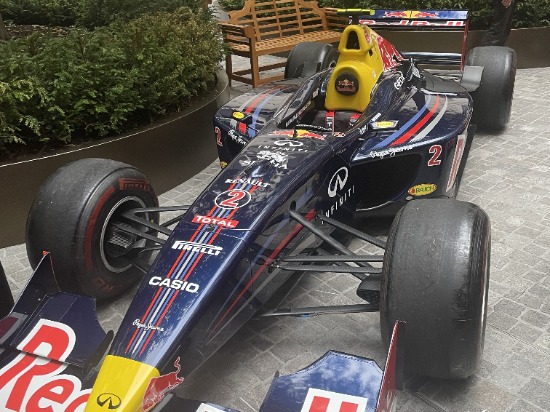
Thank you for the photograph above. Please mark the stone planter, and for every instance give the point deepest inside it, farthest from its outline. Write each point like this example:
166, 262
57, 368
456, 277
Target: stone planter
168, 152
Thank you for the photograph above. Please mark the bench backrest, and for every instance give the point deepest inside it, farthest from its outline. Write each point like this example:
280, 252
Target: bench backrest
280, 18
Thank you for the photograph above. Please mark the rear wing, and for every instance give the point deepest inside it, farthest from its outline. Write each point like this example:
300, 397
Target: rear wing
419, 20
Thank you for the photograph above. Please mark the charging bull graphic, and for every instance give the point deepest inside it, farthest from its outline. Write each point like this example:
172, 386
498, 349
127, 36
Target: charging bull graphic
159, 387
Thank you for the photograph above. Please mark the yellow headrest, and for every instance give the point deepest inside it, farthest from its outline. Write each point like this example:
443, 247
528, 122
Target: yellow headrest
357, 71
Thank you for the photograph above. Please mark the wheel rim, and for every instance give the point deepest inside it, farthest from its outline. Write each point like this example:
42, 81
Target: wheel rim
117, 264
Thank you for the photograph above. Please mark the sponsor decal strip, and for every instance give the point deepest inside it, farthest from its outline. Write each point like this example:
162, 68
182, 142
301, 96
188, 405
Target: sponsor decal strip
182, 269
405, 127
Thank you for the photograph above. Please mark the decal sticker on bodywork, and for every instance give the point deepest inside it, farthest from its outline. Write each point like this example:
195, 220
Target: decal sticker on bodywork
159, 387
459, 151
318, 400
29, 380
423, 189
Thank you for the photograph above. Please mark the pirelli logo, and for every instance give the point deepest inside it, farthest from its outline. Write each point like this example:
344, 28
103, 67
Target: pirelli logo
197, 247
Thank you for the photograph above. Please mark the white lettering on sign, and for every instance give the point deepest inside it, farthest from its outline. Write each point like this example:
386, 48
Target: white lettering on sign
177, 284
30, 383
197, 247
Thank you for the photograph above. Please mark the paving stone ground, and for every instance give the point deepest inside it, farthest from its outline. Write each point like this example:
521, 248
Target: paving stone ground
507, 174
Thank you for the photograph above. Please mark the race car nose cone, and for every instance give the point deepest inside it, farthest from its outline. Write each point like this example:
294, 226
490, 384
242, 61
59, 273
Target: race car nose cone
120, 385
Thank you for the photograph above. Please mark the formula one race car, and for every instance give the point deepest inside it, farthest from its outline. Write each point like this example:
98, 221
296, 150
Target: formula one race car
363, 132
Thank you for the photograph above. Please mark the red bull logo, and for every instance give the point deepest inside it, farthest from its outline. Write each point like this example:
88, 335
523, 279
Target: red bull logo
299, 134
159, 387
424, 15
399, 14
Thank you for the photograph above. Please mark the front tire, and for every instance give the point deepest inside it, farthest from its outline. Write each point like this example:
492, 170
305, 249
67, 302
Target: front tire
493, 98
435, 277
74, 217
309, 58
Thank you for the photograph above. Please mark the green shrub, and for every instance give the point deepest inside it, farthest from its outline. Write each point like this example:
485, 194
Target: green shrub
87, 13
44, 12
528, 13
93, 84
96, 13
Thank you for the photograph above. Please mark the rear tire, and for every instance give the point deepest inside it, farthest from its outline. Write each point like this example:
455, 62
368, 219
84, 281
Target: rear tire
435, 277
493, 98
73, 218
309, 58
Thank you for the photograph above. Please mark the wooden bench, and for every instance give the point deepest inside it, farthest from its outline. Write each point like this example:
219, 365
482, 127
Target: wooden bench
273, 26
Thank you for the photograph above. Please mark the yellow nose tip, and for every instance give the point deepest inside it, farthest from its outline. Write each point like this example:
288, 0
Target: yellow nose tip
120, 386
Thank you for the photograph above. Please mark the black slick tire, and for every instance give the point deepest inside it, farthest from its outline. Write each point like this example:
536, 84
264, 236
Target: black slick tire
309, 58
493, 98
73, 218
435, 277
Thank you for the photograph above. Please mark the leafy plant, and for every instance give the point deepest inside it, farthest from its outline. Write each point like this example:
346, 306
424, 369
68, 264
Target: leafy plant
96, 13
93, 84
45, 12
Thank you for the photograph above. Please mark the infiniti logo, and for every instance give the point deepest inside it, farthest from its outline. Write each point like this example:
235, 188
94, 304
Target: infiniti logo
338, 181
286, 142
109, 400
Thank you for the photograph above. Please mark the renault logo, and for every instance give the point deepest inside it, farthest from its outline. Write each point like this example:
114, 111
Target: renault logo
338, 181
109, 401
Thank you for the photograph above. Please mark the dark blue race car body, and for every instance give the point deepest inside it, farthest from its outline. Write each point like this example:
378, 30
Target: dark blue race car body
410, 141
288, 162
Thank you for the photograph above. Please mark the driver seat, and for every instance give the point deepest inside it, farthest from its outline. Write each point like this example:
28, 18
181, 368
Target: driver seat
357, 70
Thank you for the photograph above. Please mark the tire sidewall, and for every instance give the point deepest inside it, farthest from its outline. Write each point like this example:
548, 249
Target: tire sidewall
95, 276
67, 217
493, 98
439, 287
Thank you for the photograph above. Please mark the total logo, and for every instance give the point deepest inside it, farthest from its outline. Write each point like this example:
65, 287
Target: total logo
177, 284
197, 247
209, 220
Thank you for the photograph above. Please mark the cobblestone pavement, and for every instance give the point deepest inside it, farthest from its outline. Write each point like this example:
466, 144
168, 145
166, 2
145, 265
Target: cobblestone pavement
508, 175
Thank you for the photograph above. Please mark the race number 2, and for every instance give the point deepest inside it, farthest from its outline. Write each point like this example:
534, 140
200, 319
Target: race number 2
233, 199
435, 151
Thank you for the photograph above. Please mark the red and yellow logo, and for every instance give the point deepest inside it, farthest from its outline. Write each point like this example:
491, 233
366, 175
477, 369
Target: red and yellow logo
423, 189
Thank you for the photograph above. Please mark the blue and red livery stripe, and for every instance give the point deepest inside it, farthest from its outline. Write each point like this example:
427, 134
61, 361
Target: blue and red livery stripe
183, 267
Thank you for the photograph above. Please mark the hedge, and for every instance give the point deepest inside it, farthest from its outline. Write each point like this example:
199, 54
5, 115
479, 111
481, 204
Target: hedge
528, 13
93, 84
86, 13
